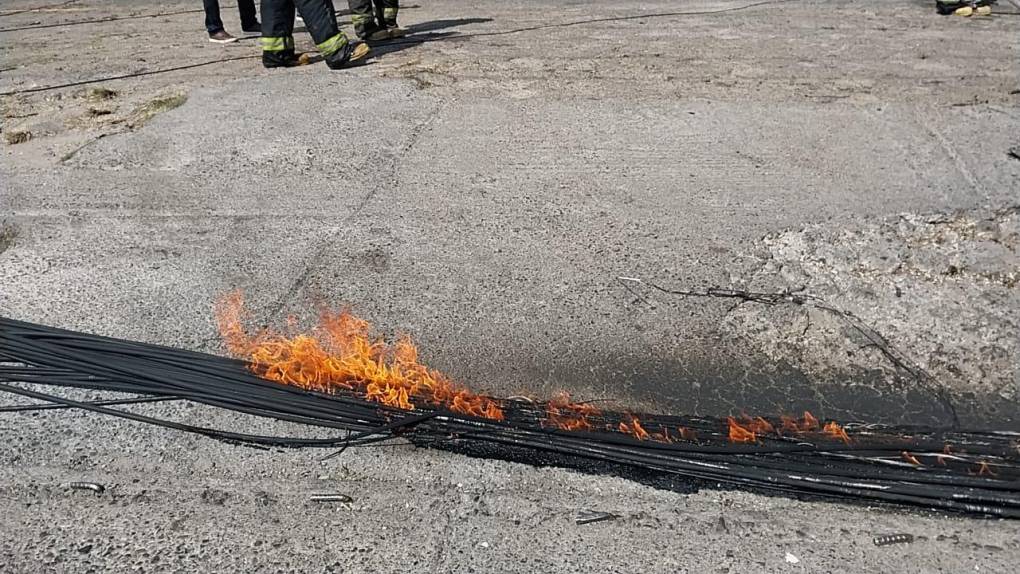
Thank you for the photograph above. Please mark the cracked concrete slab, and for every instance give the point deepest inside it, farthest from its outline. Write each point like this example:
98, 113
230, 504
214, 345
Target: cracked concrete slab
941, 286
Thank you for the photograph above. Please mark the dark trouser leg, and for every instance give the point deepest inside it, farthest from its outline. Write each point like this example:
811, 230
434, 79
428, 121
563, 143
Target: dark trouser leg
277, 32
248, 15
389, 12
213, 23
320, 19
363, 17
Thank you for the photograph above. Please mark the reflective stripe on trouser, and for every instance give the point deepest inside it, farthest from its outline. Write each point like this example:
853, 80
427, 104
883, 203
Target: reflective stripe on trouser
362, 16
361, 19
332, 45
319, 17
279, 44
390, 13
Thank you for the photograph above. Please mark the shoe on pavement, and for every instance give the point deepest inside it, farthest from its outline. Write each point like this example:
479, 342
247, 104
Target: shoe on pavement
396, 32
348, 55
221, 37
281, 59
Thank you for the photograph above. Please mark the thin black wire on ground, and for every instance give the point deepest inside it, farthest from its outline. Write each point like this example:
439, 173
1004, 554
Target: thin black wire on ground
39, 8
126, 76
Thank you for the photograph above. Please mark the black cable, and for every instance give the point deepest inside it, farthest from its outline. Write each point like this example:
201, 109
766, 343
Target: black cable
125, 76
211, 433
107, 403
38, 8
442, 37
791, 465
102, 20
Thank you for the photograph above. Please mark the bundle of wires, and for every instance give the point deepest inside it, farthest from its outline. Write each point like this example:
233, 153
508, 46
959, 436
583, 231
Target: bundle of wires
966, 471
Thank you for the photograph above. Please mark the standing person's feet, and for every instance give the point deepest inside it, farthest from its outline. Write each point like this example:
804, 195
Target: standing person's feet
377, 35
281, 59
221, 37
347, 56
252, 27
394, 29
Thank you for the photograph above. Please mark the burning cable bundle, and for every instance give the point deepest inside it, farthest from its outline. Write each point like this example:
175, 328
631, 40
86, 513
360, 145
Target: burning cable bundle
338, 377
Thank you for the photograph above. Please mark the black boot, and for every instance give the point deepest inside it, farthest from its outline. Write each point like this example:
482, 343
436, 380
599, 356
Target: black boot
394, 29
373, 33
347, 56
280, 59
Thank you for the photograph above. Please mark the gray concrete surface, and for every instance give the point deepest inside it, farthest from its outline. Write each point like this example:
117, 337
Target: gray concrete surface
482, 191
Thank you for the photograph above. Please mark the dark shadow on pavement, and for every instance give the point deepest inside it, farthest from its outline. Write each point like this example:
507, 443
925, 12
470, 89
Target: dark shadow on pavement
443, 24
421, 33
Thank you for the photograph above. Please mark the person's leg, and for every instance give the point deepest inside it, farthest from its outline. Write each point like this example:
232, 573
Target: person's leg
278, 33
213, 23
363, 17
389, 12
390, 8
320, 19
249, 18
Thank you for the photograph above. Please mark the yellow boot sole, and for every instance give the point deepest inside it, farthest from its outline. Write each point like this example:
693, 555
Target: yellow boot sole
360, 51
964, 11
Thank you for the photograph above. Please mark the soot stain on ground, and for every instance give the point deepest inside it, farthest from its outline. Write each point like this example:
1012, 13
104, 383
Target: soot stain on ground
731, 384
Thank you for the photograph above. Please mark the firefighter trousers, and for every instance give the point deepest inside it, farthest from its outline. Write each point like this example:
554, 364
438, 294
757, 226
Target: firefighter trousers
371, 15
320, 20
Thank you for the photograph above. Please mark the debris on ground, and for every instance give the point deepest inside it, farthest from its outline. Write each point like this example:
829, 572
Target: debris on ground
150, 109
589, 516
15, 137
331, 497
93, 486
99, 94
890, 539
8, 234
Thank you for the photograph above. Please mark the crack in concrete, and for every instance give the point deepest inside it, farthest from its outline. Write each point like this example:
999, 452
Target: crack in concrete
947, 148
392, 177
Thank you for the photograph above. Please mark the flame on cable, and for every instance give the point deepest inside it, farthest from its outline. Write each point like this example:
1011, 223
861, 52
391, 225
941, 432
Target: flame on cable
563, 414
341, 355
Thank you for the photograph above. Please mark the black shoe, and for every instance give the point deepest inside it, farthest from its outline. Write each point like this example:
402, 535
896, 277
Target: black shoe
252, 28
221, 37
372, 33
395, 30
347, 56
281, 59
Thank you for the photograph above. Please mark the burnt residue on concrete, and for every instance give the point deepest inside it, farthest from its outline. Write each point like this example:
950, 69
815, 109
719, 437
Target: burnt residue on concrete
8, 235
734, 384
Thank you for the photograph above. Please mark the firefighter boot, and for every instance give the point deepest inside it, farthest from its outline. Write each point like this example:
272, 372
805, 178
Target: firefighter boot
347, 55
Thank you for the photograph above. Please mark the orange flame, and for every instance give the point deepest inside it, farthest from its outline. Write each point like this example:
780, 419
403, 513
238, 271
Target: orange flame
634, 429
739, 433
983, 470
804, 424
835, 431
758, 425
910, 458
946, 450
663, 436
687, 434
340, 355
565, 415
